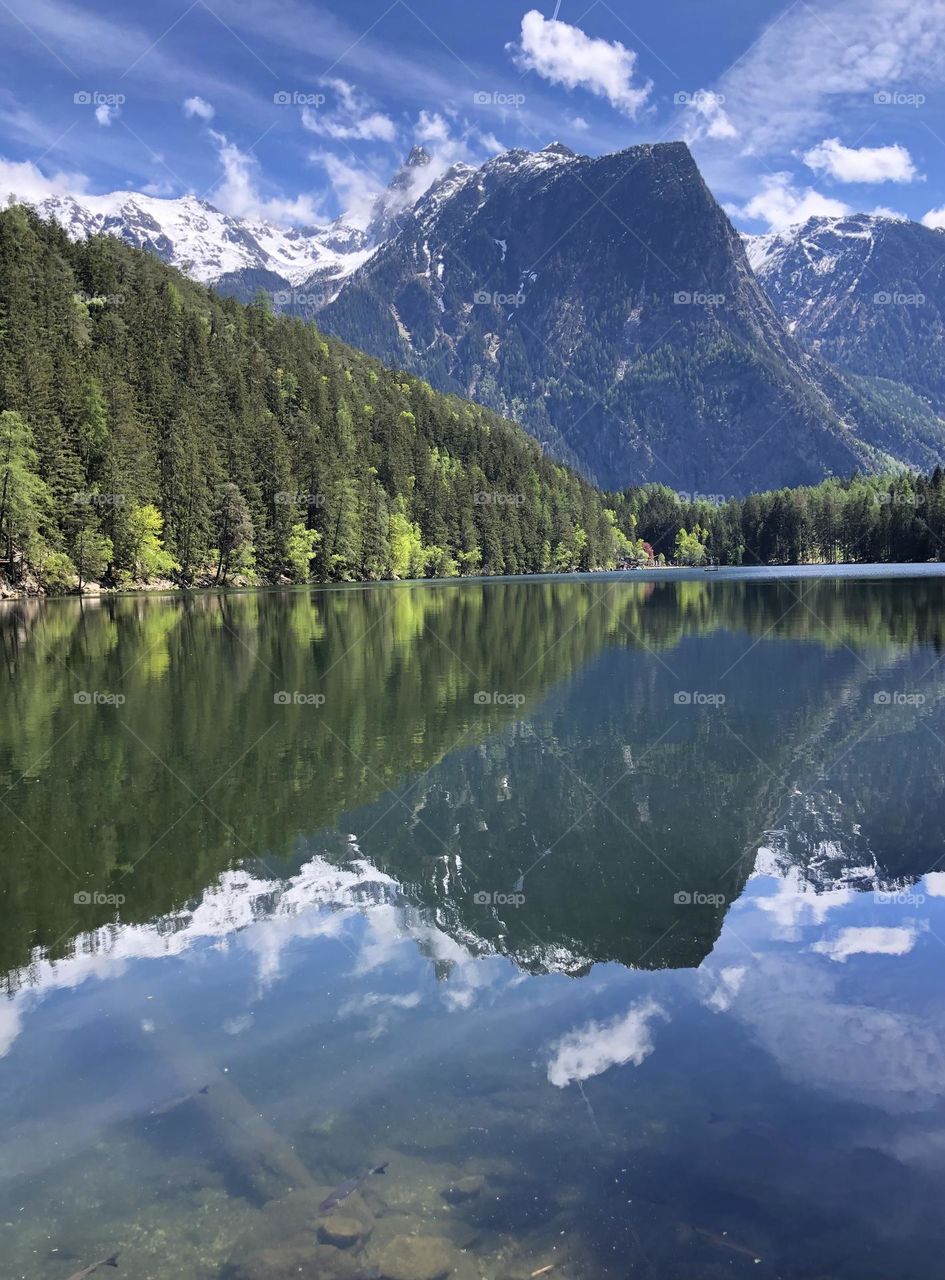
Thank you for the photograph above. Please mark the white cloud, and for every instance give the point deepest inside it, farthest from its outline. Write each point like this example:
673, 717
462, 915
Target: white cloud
707, 117
780, 204
814, 61
595, 1047
566, 55
861, 164
352, 118
935, 880
883, 211
196, 106
876, 940
24, 180
105, 114
579, 123
239, 194
935, 218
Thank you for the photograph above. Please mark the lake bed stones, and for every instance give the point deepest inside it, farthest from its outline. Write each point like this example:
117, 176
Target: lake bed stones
464, 1189
416, 1258
340, 1231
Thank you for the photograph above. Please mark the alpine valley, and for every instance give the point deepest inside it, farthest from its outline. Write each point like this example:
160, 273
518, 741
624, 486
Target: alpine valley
609, 306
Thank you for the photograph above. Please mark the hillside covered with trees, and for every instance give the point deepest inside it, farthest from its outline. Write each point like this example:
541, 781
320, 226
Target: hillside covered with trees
149, 428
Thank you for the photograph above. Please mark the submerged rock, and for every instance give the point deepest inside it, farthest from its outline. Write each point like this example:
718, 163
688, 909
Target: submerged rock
416, 1258
464, 1189
340, 1231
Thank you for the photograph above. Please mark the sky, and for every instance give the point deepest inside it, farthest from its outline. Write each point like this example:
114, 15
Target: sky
295, 111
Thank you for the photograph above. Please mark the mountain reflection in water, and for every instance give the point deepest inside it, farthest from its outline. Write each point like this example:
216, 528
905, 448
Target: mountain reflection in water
634, 967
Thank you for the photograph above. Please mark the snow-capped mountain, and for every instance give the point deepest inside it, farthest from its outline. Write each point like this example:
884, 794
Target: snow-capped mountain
606, 304
865, 291
242, 253
201, 240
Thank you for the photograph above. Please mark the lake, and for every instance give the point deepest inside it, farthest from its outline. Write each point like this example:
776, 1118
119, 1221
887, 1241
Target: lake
607, 912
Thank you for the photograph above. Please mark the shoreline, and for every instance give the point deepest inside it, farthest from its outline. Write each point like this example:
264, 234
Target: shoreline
662, 573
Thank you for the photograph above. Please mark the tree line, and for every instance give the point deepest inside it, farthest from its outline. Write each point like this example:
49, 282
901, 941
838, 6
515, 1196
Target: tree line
151, 429
863, 519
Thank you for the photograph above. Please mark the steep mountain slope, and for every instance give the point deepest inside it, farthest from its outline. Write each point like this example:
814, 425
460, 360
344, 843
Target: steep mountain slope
606, 304
136, 405
866, 292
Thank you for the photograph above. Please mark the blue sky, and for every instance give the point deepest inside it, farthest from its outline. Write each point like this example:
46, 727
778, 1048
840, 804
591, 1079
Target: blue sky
293, 110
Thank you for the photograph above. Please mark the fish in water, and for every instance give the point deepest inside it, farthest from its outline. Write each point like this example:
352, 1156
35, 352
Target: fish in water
163, 1108
348, 1188
94, 1266
722, 1242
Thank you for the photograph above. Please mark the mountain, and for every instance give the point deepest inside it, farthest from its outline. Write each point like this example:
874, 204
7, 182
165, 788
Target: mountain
608, 305
240, 256
147, 423
864, 291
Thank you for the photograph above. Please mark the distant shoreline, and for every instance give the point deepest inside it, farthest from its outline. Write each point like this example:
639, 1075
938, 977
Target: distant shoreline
662, 573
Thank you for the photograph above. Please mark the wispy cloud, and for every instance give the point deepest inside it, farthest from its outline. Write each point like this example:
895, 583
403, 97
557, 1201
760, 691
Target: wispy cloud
352, 117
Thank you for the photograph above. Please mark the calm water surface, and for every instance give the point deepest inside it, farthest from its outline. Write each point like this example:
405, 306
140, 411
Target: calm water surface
608, 912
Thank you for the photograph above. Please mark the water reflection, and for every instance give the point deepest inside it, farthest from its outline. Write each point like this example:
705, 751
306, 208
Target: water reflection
615, 979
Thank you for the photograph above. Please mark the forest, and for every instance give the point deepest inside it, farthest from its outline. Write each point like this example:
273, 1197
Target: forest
151, 430
864, 519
